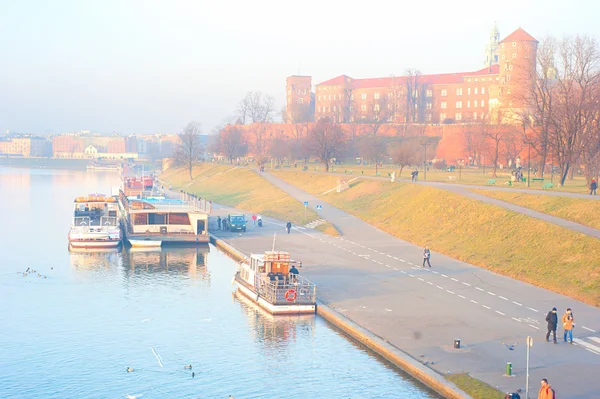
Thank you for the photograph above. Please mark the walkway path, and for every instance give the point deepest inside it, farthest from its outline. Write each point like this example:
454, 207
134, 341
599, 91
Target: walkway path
377, 280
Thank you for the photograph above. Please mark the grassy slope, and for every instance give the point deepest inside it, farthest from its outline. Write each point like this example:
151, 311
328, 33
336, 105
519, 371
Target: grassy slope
578, 210
475, 388
240, 188
506, 242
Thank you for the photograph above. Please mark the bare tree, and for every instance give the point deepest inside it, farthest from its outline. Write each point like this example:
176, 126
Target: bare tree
256, 107
258, 142
495, 136
232, 143
512, 145
576, 87
190, 147
327, 141
474, 142
404, 153
413, 94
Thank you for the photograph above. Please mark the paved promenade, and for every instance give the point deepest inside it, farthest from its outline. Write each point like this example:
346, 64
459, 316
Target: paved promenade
377, 281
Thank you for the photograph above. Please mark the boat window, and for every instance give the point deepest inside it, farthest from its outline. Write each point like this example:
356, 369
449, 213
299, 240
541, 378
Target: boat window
179, 218
140, 218
157, 218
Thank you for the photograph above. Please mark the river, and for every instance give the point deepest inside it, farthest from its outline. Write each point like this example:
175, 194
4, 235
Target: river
72, 331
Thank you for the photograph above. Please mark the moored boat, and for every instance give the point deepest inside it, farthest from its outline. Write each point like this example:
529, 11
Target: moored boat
95, 222
272, 281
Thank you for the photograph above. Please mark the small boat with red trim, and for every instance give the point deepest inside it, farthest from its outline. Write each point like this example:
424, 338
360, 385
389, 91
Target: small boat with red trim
95, 222
273, 282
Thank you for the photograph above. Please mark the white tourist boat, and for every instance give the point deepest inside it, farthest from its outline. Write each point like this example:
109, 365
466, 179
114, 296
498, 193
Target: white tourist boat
95, 223
271, 281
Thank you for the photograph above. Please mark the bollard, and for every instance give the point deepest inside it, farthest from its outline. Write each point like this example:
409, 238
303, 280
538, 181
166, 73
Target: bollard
457, 344
508, 369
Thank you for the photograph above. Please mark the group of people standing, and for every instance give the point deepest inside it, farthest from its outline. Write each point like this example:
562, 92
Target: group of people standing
414, 175
568, 322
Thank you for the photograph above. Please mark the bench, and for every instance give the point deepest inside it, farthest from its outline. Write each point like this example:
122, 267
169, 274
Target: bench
537, 179
547, 186
490, 182
509, 183
451, 178
378, 174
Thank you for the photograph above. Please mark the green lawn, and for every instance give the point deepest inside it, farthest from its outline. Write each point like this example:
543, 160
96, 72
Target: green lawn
485, 235
475, 388
240, 188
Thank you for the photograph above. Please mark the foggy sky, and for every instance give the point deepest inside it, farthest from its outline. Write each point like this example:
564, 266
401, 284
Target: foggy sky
152, 66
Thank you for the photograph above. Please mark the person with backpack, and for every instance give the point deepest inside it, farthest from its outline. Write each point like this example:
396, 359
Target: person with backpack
426, 256
593, 187
552, 319
546, 391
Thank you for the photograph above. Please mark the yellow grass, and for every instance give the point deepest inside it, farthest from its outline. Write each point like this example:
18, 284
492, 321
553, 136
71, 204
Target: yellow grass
578, 210
485, 235
328, 228
475, 388
240, 188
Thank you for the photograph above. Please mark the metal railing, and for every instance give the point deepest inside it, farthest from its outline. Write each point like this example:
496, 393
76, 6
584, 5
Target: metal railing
275, 292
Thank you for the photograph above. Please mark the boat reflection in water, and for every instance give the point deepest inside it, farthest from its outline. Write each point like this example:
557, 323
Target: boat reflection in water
189, 262
274, 332
94, 258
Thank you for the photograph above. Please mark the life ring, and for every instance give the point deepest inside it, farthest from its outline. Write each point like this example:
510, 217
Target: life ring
290, 295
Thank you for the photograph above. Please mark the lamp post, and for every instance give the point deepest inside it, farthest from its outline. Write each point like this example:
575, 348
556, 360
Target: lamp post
425, 144
529, 345
528, 163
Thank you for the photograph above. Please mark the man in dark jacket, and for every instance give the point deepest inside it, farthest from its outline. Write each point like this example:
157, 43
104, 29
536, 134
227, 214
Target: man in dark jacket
288, 226
593, 187
552, 319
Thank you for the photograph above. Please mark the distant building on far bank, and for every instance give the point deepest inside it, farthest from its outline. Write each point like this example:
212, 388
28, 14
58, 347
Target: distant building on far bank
26, 147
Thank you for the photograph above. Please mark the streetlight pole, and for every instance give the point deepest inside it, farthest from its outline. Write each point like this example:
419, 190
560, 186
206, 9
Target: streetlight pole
529, 164
529, 345
425, 144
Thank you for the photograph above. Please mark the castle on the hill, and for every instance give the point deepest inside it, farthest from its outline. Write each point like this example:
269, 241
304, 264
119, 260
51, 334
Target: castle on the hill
496, 93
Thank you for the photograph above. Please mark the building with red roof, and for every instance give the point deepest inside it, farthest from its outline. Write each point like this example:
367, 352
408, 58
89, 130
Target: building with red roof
487, 93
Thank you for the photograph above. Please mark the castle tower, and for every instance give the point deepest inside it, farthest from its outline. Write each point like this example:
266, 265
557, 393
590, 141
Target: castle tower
492, 55
298, 102
518, 60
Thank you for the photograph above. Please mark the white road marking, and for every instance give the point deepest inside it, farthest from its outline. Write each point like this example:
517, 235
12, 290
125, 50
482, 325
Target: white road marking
501, 297
388, 266
479, 289
589, 329
389, 256
515, 319
443, 275
430, 283
463, 297
441, 288
421, 279
467, 284
517, 303
453, 279
499, 312
402, 271
395, 269
395, 258
491, 293
533, 326
595, 339
450, 292
487, 307
535, 310
591, 347
474, 301
434, 272
410, 275
388, 310
402, 260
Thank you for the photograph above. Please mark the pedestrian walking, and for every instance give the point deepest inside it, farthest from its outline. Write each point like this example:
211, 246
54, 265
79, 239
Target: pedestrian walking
225, 224
412, 176
546, 391
593, 187
552, 320
288, 226
416, 175
253, 220
219, 222
426, 256
568, 323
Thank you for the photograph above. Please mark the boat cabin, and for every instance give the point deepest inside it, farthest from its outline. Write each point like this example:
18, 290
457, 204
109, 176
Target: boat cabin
95, 210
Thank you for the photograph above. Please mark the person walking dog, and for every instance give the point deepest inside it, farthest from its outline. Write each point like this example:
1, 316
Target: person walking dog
426, 256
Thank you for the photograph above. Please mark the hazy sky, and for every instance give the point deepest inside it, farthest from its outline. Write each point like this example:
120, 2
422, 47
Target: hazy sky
152, 66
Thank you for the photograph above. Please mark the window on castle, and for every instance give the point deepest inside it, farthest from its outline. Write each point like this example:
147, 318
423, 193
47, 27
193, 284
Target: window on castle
363, 96
468, 104
303, 91
442, 117
299, 91
510, 67
476, 90
468, 91
444, 92
475, 103
376, 108
514, 44
334, 108
319, 108
459, 92
376, 96
483, 90
458, 116
429, 105
428, 117
363, 107
443, 105
300, 100
429, 93
459, 104
514, 55
330, 97
482, 103
475, 115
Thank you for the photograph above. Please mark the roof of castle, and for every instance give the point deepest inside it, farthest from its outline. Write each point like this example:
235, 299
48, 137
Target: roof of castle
519, 36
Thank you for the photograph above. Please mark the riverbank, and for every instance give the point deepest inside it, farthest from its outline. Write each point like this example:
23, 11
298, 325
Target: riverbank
44, 163
395, 356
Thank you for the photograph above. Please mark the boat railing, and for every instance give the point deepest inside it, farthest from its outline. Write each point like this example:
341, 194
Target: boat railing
294, 290
107, 221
